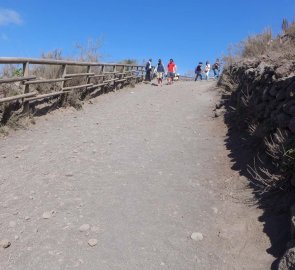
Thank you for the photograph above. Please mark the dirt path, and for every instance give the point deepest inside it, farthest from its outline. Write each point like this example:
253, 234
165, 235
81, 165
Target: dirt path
145, 168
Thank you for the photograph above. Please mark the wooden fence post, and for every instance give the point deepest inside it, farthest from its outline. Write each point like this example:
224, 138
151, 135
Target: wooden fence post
88, 77
64, 72
26, 71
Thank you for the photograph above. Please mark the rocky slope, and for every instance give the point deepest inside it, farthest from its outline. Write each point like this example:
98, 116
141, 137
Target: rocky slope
260, 99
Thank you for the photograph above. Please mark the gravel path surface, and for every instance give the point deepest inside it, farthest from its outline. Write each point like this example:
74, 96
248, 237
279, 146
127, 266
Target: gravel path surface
139, 179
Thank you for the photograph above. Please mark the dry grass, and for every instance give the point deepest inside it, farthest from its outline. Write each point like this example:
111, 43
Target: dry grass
257, 45
264, 45
282, 154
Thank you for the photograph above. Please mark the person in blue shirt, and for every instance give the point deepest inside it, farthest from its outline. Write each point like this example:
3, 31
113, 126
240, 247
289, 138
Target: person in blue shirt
198, 71
160, 71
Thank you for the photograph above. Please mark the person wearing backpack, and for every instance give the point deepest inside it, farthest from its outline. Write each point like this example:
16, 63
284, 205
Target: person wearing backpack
171, 71
148, 71
207, 70
198, 71
216, 68
160, 71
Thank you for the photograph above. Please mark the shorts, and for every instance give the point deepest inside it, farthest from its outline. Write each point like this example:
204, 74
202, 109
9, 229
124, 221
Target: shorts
171, 74
159, 75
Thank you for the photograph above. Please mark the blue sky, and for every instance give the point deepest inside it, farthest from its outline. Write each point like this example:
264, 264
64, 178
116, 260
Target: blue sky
188, 31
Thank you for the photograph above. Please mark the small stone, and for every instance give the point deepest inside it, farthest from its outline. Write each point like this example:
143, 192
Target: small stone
84, 228
215, 210
197, 236
16, 237
69, 175
27, 218
5, 243
3, 156
12, 224
47, 215
92, 242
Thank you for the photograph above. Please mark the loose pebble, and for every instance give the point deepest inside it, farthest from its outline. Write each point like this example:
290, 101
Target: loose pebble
92, 242
27, 218
197, 236
84, 228
48, 214
215, 210
4, 243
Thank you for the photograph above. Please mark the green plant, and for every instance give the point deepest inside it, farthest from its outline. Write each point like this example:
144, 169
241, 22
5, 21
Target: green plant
18, 72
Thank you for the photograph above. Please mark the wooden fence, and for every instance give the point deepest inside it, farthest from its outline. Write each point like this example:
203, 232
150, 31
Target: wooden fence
111, 74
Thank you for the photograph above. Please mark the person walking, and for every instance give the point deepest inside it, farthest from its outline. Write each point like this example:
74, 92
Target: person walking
148, 71
216, 68
171, 71
207, 70
160, 71
198, 71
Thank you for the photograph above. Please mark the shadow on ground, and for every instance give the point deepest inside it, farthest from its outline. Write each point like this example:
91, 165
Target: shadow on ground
244, 150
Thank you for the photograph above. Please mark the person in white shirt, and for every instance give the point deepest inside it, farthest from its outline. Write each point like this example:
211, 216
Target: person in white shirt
207, 70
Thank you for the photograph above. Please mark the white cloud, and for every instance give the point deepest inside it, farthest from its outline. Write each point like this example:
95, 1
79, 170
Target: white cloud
9, 16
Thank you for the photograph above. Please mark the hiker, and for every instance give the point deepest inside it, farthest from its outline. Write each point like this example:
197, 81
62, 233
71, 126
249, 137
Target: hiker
207, 70
216, 68
198, 71
148, 70
160, 71
171, 71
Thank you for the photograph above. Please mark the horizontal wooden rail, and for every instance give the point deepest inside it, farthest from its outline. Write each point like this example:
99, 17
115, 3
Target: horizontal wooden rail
17, 79
47, 81
14, 60
12, 98
46, 96
112, 80
79, 75
97, 85
121, 80
98, 75
77, 87
111, 72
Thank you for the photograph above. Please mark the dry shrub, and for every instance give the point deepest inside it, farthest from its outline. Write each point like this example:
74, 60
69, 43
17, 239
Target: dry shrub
89, 52
129, 62
257, 45
264, 44
49, 71
73, 99
282, 153
288, 28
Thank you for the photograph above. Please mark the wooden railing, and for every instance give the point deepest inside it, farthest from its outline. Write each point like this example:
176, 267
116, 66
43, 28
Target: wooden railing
107, 73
